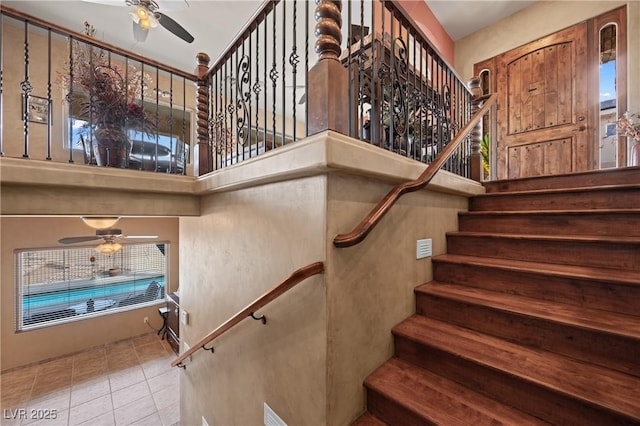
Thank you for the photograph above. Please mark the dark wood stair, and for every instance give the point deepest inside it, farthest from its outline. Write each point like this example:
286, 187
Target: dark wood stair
533, 315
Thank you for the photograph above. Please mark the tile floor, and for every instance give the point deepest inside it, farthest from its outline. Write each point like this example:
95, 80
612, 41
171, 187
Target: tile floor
130, 382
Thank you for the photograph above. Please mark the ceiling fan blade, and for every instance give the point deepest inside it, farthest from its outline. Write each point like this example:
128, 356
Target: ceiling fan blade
73, 240
172, 5
174, 27
107, 2
139, 237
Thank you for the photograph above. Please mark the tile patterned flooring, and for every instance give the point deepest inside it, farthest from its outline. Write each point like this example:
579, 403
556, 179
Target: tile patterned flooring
130, 382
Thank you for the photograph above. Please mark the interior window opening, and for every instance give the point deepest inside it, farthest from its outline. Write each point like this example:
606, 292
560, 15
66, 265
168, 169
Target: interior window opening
59, 285
608, 152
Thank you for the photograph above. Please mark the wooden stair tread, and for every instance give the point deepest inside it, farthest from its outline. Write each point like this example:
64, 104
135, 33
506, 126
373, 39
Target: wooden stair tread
568, 180
592, 319
535, 237
368, 419
623, 277
576, 212
440, 400
595, 385
549, 191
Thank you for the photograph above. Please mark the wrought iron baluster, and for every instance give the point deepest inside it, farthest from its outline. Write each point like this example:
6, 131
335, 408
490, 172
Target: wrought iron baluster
256, 86
171, 134
49, 101
293, 61
306, 67
143, 136
157, 117
184, 122
264, 109
1, 80
350, 83
69, 99
284, 72
27, 88
273, 75
248, 100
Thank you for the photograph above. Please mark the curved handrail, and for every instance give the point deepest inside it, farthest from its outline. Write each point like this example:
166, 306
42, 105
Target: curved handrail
295, 278
361, 231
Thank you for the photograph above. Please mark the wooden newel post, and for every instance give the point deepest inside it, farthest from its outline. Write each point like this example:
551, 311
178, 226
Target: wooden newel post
203, 155
327, 87
477, 173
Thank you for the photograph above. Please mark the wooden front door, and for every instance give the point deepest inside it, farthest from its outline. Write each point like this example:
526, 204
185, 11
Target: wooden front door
543, 119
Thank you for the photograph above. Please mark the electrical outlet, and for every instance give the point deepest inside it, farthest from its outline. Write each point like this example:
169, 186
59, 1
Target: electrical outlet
146, 320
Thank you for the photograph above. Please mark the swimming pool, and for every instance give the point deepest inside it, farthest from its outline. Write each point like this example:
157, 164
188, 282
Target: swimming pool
82, 294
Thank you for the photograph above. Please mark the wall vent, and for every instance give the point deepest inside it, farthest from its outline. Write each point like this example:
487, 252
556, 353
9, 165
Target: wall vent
423, 248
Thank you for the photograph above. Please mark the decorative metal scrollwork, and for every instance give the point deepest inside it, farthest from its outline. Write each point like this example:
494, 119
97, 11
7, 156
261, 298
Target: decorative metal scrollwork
26, 87
243, 90
399, 110
273, 75
294, 59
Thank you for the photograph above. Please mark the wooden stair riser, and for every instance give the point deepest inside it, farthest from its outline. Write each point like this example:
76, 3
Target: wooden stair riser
623, 224
529, 397
604, 254
597, 347
576, 180
620, 198
574, 291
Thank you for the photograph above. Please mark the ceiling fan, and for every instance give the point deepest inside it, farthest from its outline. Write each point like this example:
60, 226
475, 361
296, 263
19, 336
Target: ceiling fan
105, 232
147, 15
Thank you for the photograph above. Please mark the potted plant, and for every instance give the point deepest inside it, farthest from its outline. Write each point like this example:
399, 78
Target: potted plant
110, 99
629, 126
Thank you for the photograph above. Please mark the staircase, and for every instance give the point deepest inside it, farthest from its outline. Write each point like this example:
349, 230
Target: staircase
533, 315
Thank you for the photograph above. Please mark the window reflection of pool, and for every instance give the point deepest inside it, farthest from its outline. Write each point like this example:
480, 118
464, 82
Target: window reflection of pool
82, 294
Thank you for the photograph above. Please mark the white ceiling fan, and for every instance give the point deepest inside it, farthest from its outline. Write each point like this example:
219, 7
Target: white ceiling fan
106, 232
147, 15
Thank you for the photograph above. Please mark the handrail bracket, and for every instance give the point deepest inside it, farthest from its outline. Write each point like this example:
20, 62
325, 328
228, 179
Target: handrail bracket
260, 318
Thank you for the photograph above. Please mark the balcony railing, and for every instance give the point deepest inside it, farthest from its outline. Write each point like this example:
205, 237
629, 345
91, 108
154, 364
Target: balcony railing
54, 103
373, 76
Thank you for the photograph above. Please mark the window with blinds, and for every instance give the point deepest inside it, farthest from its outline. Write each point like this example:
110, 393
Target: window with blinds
67, 284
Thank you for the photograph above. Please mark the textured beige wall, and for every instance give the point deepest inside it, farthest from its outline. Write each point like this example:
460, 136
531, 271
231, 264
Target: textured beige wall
243, 244
324, 337
370, 286
50, 342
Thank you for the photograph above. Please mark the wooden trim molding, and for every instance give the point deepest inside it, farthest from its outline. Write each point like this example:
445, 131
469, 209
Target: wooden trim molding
295, 278
360, 232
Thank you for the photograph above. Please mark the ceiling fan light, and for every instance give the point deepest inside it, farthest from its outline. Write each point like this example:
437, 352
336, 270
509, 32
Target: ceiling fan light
100, 222
139, 34
145, 24
134, 17
142, 12
108, 248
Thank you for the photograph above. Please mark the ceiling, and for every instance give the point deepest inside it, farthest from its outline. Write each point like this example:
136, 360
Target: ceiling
214, 23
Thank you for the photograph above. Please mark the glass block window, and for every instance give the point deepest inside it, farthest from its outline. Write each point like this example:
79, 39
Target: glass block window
59, 285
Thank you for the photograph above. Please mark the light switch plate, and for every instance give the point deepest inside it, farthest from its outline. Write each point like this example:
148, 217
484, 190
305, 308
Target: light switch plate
184, 317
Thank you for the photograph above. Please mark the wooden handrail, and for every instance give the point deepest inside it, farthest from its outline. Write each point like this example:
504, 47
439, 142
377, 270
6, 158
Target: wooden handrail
360, 232
295, 278
92, 41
